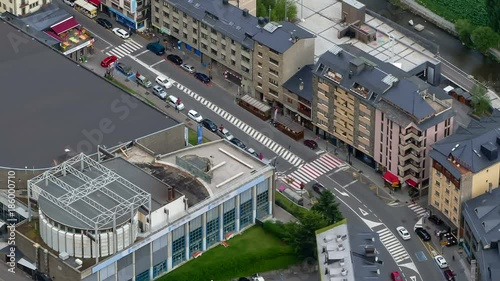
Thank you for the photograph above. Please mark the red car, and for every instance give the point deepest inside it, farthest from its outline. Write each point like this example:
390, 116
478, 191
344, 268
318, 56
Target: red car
109, 60
311, 144
395, 276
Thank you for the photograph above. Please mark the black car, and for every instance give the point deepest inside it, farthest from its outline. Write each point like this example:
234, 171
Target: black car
435, 220
123, 68
423, 234
318, 187
104, 23
209, 124
238, 143
202, 77
175, 59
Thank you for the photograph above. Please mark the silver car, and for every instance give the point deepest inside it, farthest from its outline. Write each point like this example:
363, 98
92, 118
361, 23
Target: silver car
159, 92
187, 67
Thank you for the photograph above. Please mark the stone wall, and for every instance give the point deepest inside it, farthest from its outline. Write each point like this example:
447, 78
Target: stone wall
430, 16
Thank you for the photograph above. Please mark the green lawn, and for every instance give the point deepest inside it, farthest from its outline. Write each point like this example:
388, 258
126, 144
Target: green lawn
472, 10
193, 137
252, 252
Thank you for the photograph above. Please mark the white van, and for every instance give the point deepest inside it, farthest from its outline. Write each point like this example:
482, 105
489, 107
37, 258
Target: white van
173, 101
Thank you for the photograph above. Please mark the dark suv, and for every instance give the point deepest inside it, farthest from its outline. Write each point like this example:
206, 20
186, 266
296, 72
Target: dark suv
435, 220
423, 234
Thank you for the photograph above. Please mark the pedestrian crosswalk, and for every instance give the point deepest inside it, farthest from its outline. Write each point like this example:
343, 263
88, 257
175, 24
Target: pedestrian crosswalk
393, 245
417, 209
124, 49
314, 170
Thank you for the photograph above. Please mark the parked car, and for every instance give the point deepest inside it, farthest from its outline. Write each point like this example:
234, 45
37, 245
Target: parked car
175, 59
109, 60
104, 23
175, 102
159, 92
123, 68
164, 82
252, 151
70, 3
224, 133
143, 81
318, 188
441, 261
187, 67
238, 143
195, 115
423, 234
449, 275
121, 33
435, 220
403, 233
311, 144
396, 276
156, 48
209, 124
202, 77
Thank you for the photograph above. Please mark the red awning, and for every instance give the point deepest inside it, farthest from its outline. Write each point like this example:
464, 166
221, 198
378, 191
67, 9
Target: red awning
53, 35
390, 177
96, 3
64, 25
411, 182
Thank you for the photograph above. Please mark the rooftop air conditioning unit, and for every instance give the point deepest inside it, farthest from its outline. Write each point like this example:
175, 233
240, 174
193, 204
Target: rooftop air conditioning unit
78, 261
63, 256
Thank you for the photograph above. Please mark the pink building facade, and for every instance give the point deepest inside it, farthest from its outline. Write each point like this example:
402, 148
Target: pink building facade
401, 149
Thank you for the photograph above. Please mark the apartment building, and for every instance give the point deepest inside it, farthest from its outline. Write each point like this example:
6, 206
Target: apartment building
376, 110
233, 41
131, 13
22, 7
297, 94
464, 166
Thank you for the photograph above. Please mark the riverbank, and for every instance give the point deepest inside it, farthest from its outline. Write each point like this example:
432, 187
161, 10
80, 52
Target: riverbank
429, 15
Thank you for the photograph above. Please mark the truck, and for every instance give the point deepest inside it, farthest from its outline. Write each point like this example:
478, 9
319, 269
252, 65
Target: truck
293, 196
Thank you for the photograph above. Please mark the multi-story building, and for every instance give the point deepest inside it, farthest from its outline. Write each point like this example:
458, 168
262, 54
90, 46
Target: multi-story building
464, 166
297, 97
385, 116
132, 13
22, 7
481, 223
252, 52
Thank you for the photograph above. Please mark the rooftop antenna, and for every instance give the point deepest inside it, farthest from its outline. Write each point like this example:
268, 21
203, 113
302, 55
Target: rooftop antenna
392, 47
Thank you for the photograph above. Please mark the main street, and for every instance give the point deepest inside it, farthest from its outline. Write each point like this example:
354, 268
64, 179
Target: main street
215, 103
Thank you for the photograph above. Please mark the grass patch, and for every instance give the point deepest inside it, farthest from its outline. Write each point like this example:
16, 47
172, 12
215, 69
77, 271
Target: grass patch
193, 137
472, 10
251, 252
121, 85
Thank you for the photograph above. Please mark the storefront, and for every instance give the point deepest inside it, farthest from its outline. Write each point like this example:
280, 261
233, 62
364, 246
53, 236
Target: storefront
86, 8
257, 108
126, 21
73, 41
391, 180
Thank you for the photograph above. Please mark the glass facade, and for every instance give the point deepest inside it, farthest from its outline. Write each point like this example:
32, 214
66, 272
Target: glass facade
246, 208
229, 216
143, 276
213, 225
159, 269
178, 246
263, 199
195, 236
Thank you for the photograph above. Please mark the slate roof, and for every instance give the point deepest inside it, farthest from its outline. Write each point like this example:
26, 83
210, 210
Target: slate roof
230, 21
482, 214
365, 268
465, 145
303, 75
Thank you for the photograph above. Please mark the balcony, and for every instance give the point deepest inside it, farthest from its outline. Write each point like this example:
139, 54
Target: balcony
304, 110
411, 136
403, 148
360, 90
24, 4
324, 87
334, 76
409, 168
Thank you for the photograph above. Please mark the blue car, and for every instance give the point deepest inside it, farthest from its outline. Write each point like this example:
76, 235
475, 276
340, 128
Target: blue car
202, 77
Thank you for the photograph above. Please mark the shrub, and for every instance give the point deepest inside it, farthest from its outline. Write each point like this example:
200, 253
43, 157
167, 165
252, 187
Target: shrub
277, 229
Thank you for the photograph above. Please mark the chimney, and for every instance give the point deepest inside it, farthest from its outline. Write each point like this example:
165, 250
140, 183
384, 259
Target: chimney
173, 193
225, 2
261, 21
245, 12
169, 193
185, 203
301, 85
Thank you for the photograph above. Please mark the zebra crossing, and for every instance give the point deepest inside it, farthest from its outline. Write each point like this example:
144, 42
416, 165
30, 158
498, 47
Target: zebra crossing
124, 49
393, 245
314, 170
417, 209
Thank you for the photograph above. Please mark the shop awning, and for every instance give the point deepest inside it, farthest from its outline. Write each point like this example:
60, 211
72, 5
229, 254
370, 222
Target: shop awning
96, 3
64, 25
390, 177
411, 183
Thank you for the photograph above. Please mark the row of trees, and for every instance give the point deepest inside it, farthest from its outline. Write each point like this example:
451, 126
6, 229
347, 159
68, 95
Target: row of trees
277, 8
301, 235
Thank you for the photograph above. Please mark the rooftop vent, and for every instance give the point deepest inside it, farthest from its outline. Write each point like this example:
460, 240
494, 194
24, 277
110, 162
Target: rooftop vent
245, 12
490, 151
261, 21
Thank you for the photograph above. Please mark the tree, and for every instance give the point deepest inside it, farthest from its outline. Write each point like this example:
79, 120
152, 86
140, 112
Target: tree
261, 9
480, 101
464, 29
484, 38
301, 235
277, 9
328, 208
493, 10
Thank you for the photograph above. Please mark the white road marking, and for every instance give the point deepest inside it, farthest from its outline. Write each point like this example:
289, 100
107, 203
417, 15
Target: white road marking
363, 212
156, 63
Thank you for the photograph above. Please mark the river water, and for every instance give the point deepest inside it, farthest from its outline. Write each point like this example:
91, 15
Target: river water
450, 48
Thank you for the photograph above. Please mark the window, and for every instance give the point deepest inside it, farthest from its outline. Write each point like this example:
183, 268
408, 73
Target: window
446, 211
229, 216
185, 25
273, 61
274, 82
166, 15
436, 193
175, 9
260, 54
143, 276
204, 46
245, 59
246, 215
223, 57
447, 191
195, 30
273, 92
233, 62
438, 184
213, 41
272, 71
436, 203
213, 51
259, 64
185, 35
176, 20
178, 246
213, 30
204, 36
438, 173
212, 227
223, 47
259, 85
195, 236
263, 197
204, 25
159, 269
195, 41
233, 52
455, 210
244, 69
447, 202
259, 74
184, 15
223, 36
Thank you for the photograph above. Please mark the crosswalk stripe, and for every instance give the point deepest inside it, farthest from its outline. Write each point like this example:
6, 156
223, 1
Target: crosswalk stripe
260, 138
266, 142
391, 245
127, 48
230, 119
310, 170
254, 134
330, 160
273, 146
134, 43
327, 163
287, 153
301, 178
319, 167
238, 123
280, 149
124, 49
398, 252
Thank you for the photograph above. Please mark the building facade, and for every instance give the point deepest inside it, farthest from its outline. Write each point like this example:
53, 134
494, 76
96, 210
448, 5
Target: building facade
297, 97
464, 166
224, 38
22, 7
131, 13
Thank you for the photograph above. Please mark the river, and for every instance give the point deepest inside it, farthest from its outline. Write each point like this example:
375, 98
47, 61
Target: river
450, 48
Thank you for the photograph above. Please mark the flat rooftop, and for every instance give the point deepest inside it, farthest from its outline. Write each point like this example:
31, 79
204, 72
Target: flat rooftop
219, 164
50, 103
334, 253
